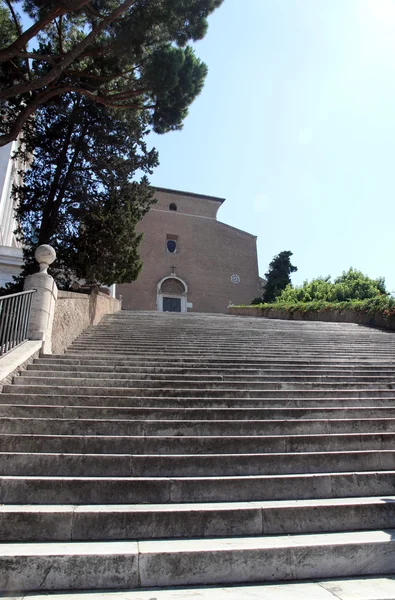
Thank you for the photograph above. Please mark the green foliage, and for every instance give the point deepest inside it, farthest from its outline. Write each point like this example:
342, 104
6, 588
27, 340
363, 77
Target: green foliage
278, 276
352, 291
351, 285
7, 27
78, 193
384, 305
107, 251
86, 142
130, 55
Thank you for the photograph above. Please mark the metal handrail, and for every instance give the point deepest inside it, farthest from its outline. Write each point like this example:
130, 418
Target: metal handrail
14, 319
17, 294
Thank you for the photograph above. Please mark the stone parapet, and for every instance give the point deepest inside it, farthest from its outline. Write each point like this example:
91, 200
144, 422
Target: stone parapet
75, 312
328, 316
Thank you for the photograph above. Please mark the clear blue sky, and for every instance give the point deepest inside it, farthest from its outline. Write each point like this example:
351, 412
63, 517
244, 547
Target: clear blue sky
295, 127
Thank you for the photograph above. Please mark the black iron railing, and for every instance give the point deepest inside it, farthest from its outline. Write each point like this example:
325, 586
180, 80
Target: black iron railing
14, 319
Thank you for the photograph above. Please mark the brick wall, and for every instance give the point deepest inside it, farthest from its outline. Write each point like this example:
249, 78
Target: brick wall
208, 254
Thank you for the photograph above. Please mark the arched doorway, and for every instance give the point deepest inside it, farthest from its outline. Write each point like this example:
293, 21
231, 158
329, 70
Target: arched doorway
172, 295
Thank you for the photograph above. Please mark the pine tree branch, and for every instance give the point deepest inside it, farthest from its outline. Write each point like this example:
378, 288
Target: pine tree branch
27, 112
18, 30
47, 95
14, 17
51, 58
59, 25
68, 58
9, 52
98, 50
87, 75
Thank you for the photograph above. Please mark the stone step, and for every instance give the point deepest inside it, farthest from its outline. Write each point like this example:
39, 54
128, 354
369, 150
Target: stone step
176, 386
354, 588
152, 346
68, 411
127, 564
206, 354
200, 465
202, 520
288, 428
225, 336
250, 380
179, 361
279, 428
230, 332
130, 490
45, 368
253, 348
227, 332
72, 443
303, 391
60, 397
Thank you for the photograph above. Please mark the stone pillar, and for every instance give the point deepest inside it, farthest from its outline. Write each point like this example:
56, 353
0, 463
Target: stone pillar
44, 300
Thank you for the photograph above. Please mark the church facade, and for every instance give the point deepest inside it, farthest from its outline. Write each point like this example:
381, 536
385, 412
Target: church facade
191, 261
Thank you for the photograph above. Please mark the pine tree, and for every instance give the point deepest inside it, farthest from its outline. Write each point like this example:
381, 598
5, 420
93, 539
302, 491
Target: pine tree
130, 55
86, 142
278, 276
78, 193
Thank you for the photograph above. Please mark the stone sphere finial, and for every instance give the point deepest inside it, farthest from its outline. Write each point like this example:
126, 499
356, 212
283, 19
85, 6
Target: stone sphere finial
45, 255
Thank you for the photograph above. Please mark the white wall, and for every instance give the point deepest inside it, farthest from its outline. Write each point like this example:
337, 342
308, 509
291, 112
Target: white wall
10, 248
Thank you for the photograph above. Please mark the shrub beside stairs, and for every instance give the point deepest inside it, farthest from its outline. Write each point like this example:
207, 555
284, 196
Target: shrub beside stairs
172, 450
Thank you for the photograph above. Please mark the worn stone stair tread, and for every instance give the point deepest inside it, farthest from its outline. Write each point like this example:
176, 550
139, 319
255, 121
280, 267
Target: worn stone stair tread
43, 489
122, 564
73, 548
45, 368
232, 377
189, 445
230, 519
194, 427
126, 413
157, 380
386, 391
388, 400
194, 506
203, 465
355, 588
200, 413
161, 360
168, 384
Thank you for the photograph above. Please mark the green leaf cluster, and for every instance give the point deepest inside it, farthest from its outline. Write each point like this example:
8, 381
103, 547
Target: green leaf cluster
7, 27
351, 285
383, 305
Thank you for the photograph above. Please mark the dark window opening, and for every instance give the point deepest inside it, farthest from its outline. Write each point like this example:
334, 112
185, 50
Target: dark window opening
172, 206
171, 245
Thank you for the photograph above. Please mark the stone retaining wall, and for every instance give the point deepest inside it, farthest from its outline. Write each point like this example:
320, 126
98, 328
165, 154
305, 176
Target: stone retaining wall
75, 312
328, 316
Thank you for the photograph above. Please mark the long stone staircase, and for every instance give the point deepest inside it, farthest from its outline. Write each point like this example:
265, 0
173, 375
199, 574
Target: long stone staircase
173, 450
